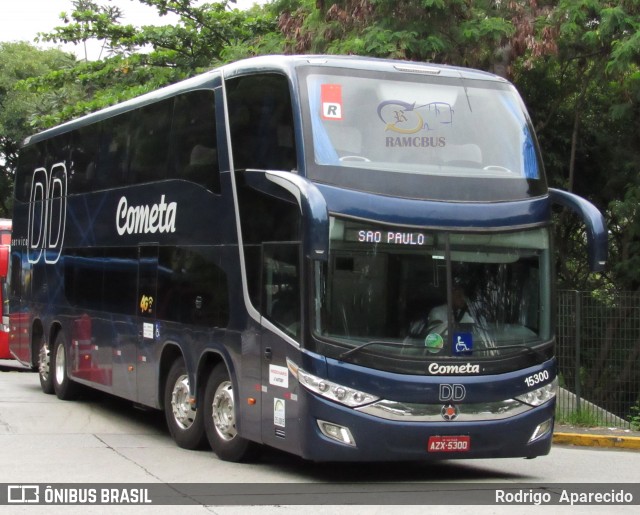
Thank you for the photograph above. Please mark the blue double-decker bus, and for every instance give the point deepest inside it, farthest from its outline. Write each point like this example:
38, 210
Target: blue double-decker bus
344, 258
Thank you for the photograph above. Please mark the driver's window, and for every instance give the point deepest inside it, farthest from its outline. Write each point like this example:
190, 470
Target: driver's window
281, 279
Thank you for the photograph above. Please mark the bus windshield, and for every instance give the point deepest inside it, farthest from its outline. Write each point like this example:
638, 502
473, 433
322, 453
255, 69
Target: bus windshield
436, 131
413, 294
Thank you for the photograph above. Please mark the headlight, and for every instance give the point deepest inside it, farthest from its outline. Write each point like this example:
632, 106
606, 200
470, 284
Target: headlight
541, 395
330, 390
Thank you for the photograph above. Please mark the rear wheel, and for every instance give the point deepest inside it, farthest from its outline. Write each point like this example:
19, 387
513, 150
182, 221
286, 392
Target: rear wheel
44, 367
220, 417
183, 419
64, 387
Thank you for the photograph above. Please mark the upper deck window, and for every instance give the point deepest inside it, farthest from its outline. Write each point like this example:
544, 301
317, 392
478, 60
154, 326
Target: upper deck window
261, 122
450, 138
170, 139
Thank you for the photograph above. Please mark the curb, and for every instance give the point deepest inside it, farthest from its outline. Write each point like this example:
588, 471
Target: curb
618, 442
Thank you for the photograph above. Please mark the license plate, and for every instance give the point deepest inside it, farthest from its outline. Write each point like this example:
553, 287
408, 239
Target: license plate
449, 443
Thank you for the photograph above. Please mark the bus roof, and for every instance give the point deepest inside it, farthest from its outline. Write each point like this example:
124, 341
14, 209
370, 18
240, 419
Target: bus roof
290, 62
275, 63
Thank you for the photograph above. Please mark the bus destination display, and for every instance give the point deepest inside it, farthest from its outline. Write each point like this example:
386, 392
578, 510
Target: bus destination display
389, 237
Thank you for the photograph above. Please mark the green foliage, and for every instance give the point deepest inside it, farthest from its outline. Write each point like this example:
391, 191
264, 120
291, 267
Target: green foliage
635, 416
19, 108
420, 30
578, 418
584, 98
625, 230
141, 59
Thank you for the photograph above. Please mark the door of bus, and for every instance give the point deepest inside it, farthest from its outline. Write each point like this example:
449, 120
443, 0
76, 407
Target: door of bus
281, 308
148, 332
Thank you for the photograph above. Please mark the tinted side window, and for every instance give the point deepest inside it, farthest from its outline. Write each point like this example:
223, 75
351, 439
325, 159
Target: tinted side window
31, 158
281, 290
45, 155
113, 153
264, 219
15, 282
102, 279
120, 276
84, 277
192, 288
58, 150
261, 122
83, 158
195, 152
150, 138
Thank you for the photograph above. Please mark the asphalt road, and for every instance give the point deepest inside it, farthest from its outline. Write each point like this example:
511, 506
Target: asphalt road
100, 439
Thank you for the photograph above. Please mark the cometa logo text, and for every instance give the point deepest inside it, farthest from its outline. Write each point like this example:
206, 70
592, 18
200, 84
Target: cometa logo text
467, 368
146, 219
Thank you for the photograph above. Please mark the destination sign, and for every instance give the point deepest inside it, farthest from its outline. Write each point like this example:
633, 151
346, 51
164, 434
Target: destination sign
389, 237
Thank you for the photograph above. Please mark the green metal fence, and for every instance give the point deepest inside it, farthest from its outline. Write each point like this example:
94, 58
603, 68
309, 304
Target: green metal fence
599, 358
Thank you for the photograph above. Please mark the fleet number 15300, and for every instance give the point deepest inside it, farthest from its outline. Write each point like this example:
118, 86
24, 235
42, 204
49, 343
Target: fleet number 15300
536, 378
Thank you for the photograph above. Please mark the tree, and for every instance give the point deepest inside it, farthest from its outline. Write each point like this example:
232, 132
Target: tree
142, 59
20, 107
456, 31
583, 92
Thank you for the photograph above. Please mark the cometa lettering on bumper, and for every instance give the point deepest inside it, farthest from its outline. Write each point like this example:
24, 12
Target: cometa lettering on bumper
468, 368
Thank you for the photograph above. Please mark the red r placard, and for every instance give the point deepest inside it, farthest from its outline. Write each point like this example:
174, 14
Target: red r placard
331, 99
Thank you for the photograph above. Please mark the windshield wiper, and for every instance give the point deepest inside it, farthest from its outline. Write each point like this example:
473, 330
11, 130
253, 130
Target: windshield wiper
375, 342
520, 346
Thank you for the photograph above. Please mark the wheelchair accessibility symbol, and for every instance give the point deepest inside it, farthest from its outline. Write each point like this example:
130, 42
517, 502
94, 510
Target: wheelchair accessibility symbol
463, 343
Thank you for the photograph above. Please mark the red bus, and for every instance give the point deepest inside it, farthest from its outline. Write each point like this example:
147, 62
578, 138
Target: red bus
5, 242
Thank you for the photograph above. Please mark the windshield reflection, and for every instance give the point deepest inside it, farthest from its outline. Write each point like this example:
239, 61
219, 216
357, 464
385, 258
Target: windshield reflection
433, 295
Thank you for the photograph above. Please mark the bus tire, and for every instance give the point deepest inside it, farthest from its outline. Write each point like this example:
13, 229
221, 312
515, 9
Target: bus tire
45, 371
220, 416
64, 387
183, 419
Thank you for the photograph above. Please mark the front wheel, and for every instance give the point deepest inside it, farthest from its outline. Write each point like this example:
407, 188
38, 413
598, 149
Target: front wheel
220, 417
64, 387
183, 419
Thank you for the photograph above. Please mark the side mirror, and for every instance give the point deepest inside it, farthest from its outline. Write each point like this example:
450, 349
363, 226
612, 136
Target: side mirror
314, 210
597, 236
312, 204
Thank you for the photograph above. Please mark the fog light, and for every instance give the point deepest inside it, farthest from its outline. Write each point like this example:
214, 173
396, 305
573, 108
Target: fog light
335, 432
542, 430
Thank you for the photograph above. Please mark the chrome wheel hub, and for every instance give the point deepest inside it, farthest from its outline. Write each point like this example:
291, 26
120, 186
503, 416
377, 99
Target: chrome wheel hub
224, 418
60, 364
184, 413
44, 361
